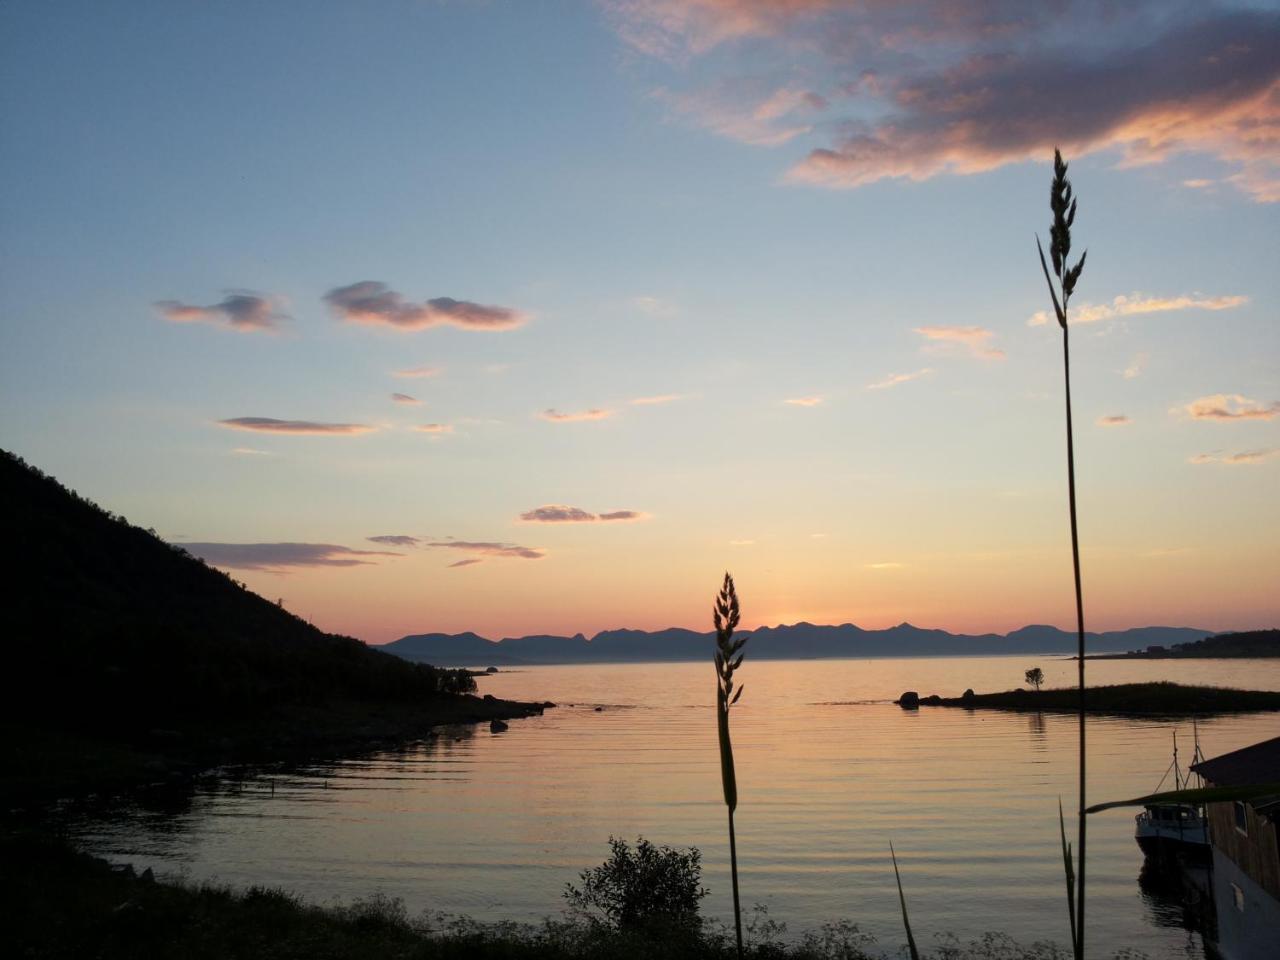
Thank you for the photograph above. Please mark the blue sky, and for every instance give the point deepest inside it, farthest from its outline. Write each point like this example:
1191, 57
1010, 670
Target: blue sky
727, 204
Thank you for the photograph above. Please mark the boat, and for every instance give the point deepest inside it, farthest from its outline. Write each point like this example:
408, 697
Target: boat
1165, 830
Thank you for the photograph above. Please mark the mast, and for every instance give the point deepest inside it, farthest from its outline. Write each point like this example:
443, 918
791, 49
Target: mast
1177, 776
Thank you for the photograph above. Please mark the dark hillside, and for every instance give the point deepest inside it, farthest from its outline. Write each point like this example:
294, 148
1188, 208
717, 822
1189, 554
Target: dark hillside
114, 635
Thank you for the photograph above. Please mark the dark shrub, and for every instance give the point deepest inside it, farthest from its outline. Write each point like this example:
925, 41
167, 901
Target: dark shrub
652, 889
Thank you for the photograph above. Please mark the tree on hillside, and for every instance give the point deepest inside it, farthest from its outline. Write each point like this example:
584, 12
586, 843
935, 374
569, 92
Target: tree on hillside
1035, 677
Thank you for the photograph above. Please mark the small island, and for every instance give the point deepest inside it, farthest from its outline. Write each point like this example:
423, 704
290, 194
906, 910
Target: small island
1249, 643
1125, 699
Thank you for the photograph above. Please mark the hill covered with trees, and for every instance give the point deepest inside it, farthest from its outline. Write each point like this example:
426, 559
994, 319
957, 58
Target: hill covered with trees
114, 636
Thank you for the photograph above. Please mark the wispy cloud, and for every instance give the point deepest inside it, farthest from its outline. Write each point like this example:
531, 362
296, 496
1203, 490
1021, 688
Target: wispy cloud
239, 310
655, 400
405, 399
561, 513
974, 339
1161, 553
1137, 304
278, 557
885, 565
623, 516
762, 117
250, 452
484, 550
804, 401
1113, 420
555, 416
412, 373
1135, 367
741, 543
434, 429
296, 427
1229, 406
1237, 459
922, 88
370, 302
558, 513
655, 306
395, 540
893, 379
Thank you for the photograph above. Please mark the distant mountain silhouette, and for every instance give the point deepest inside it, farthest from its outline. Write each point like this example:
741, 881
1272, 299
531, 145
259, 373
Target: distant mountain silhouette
794, 641
109, 628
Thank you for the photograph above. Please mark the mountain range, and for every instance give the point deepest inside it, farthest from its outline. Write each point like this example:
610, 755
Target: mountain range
802, 641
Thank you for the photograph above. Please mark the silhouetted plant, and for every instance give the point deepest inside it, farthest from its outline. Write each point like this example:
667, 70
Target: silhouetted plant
726, 616
1034, 677
652, 890
906, 922
1063, 206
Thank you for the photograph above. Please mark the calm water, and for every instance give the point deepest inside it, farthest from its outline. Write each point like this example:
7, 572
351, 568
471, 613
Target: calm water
829, 773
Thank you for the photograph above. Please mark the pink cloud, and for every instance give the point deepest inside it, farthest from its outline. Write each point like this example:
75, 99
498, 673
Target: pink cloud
1139, 304
656, 400
763, 118
240, 310
558, 513
278, 557
295, 427
804, 401
1232, 406
893, 379
482, 550
934, 87
1114, 420
434, 429
373, 303
974, 339
561, 513
555, 416
1245, 457
416, 372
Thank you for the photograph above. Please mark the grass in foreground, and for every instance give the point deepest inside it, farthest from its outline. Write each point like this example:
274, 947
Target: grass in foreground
56, 903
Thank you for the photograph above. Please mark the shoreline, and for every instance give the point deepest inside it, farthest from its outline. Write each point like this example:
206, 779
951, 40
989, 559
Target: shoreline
48, 766
1154, 699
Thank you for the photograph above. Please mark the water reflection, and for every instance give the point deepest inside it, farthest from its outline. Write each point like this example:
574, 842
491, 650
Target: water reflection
1179, 895
494, 825
1037, 732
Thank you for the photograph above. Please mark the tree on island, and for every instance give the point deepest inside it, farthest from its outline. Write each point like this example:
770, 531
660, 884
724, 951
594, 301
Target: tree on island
1035, 677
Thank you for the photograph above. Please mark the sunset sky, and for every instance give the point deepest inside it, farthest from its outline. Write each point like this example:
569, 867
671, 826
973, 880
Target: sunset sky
535, 318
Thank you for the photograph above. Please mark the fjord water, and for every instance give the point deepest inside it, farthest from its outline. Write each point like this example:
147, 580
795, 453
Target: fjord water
829, 772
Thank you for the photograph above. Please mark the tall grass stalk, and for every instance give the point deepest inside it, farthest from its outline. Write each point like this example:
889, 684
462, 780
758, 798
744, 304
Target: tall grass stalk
1064, 214
1070, 874
726, 616
906, 922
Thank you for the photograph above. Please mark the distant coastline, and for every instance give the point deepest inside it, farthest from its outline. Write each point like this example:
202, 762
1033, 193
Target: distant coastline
1249, 644
800, 641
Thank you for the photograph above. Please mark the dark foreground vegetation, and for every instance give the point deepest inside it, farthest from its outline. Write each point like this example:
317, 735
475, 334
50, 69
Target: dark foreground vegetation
128, 661
1155, 699
56, 903
1247, 643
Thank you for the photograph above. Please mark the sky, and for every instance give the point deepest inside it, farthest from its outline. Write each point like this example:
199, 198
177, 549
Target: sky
536, 318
